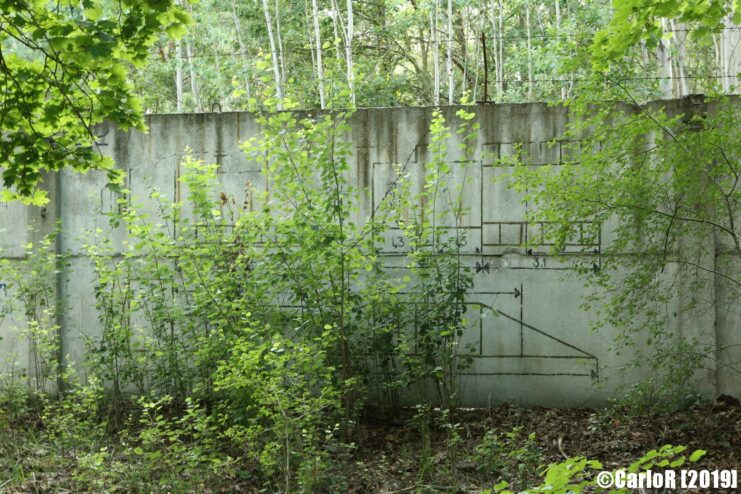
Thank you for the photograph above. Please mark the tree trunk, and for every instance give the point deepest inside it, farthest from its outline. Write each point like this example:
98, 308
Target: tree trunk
494, 46
500, 79
348, 32
665, 65
529, 53
680, 41
730, 55
193, 76
309, 37
435, 53
449, 58
477, 65
348, 51
335, 28
281, 52
318, 40
464, 49
242, 48
274, 52
179, 75
219, 82
564, 88
716, 50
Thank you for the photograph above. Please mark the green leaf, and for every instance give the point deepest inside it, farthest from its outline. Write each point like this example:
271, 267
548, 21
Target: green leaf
697, 455
95, 12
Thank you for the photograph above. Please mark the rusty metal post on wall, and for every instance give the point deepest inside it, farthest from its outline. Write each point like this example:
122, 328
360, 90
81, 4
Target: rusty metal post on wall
486, 70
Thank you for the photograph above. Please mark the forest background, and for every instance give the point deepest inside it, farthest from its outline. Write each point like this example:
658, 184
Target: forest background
387, 53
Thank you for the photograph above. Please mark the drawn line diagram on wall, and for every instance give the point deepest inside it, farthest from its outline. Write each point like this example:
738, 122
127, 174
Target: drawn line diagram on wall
494, 219
500, 340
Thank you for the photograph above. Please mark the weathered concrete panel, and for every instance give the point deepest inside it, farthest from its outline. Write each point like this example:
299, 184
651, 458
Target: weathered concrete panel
530, 340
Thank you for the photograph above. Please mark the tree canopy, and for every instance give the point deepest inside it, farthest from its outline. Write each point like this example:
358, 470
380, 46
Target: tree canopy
63, 69
636, 21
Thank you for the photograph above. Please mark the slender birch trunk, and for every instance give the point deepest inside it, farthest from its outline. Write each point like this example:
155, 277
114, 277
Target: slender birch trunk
274, 53
179, 75
242, 47
337, 29
529, 53
318, 40
219, 81
193, 76
435, 53
723, 56
665, 65
500, 88
464, 49
564, 88
716, 50
348, 32
680, 60
281, 52
348, 51
495, 46
179, 71
477, 65
730, 55
449, 57
309, 37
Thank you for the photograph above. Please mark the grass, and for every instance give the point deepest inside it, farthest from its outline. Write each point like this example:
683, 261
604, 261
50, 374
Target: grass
41, 451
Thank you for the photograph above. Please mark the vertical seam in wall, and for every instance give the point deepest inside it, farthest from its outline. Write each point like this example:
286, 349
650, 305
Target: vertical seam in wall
717, 382
59, 282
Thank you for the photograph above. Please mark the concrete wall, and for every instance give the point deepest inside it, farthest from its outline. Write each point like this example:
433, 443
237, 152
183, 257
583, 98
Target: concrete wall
539, 350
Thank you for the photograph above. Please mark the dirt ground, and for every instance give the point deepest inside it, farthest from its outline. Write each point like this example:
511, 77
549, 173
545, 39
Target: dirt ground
390, 456
469, 452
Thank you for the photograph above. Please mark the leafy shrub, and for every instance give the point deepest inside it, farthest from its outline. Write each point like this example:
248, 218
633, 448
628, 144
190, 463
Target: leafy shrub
32, 282
439, 281
251, 336
576, 475
76, 421
283, 405
512, 455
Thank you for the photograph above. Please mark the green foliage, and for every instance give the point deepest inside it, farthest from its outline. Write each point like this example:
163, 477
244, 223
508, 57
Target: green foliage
76, 420
166, 293
513, 456
63, 70
575, 475
264, 312
169, 447
423, 421
427, 420
636, 21
665, 390
224, 57
429, 221
284, 406
33, 284
301, 246
535, 51
561, 478
662, 190
244, 330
